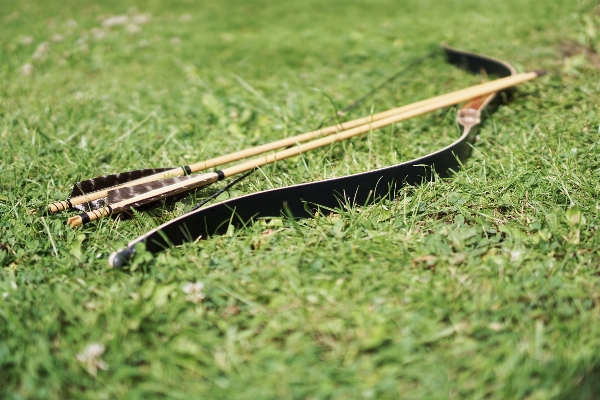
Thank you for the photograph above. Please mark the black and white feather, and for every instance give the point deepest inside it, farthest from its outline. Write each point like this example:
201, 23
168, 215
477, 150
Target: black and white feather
131, 192
108, 181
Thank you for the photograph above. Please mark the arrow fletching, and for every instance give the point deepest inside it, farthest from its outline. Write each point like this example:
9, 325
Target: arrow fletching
126, 198
109, 181
129, 193
90, 194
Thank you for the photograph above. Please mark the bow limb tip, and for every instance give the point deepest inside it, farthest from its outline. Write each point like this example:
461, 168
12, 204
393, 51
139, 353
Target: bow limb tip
540, 72
120, 258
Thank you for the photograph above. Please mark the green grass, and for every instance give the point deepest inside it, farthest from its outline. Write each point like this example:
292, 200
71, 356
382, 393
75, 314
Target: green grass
482, 285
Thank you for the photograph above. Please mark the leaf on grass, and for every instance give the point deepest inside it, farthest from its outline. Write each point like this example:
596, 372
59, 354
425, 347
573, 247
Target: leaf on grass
444, 333
376, 337
425, 261
76, 246
575, 220
235, 130
574, 217
161, 295
213, 106
148, 289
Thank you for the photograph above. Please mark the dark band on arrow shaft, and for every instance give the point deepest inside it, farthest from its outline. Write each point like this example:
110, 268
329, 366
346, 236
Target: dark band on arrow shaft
85, 218
302, 201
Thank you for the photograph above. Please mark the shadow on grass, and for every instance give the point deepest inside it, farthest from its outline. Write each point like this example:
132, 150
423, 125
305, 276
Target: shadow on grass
587, 384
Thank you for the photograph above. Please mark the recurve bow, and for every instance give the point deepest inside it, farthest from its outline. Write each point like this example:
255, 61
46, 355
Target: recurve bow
303, 200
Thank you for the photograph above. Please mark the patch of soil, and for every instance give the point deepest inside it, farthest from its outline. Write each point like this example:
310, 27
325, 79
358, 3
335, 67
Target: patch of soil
570, 48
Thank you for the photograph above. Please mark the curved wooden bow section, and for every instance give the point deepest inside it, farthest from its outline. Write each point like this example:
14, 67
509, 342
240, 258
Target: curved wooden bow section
302, 201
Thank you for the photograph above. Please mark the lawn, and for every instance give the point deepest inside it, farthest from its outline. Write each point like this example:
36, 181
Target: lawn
481, 285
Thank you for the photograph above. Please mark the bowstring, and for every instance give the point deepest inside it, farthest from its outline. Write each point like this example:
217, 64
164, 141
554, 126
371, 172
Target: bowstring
377, 88
224, 189
336, 116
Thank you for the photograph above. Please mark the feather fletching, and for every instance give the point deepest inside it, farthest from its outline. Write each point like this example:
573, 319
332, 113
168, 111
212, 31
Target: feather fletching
130, 192
108, 181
